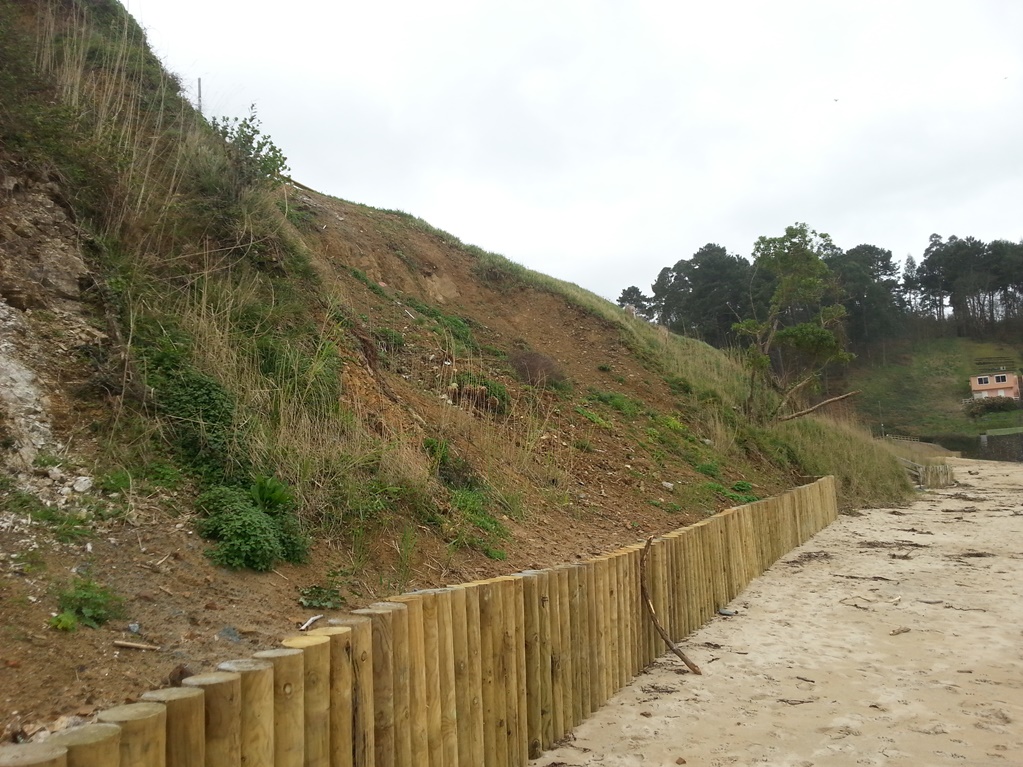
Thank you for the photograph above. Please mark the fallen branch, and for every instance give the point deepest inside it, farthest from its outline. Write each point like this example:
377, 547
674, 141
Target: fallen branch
653, 614
819, 405
134, 645
309, 622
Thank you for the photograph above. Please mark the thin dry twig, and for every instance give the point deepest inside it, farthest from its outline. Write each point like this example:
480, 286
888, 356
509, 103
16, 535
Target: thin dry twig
653, 613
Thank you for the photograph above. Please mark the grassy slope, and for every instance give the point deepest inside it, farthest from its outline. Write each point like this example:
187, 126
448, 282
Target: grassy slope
920, 391
268, 346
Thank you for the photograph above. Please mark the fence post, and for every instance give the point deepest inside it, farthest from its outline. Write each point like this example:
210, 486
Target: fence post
91, 745
342, 748
362, 685
315, 697
33, 755
383, 685
419, 715
143, 733
186, 722
257, 709
289, 705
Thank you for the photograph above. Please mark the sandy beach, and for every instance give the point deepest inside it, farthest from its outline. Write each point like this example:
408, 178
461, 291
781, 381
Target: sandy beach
894, 637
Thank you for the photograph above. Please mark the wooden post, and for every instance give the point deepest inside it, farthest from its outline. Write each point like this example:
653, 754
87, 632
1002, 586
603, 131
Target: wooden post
531, 615
383, 685
33, 755
143, 733
289, 705
557, 648
603, 647
470, 754
559, 581
92, 745
186, 723
222, 692
362, 685
342, 748
543, 702
596, 638
508, 658
402, 690
621, 619
257, 716
495, 742
464, 686
418, 711
446, 667
522, 745
431, 652
575, 626
315, 697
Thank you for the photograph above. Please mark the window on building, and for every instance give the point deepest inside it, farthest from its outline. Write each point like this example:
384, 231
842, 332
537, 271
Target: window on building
1000, 379
983, 380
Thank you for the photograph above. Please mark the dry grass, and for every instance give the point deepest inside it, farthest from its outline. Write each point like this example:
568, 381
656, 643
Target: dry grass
867, 473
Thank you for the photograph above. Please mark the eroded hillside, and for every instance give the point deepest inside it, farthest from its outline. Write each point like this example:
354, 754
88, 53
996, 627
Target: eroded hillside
231, 403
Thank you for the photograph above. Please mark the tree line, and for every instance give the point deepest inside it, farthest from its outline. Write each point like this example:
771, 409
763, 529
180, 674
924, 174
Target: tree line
961, 286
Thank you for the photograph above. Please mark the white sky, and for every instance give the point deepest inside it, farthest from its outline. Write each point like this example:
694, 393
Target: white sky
599, 141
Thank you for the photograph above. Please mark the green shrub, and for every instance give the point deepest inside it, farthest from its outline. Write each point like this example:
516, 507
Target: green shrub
710, 469
87, 603
980, 406
254, 529
248, 538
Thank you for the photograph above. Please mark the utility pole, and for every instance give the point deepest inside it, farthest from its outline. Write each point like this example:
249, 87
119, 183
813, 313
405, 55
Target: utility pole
200, 95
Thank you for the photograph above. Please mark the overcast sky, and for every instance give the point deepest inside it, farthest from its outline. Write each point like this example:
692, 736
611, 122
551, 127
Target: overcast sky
599, 141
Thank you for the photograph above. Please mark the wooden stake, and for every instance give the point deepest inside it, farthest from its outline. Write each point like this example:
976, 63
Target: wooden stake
289, 705
91, 745
531, 603
186, 724
362, 685
315, 696
653, 615
473, 757
342, 749
33, 755
401, 690
418, 708
222, 701
383, 686
143, 733
257, 714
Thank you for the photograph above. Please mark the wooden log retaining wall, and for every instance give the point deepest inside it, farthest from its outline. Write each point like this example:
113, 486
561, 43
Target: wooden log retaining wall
483, 674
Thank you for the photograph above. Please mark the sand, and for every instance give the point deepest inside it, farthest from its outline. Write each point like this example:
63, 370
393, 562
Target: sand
890, 638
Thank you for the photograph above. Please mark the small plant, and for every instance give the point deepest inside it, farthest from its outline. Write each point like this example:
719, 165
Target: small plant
87, 603
406, 548
497, 398
390, 341
321, 597
604, 368
116, 481
45, 460
732, 495
710, 469
623, 404
454, 472
593, 417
